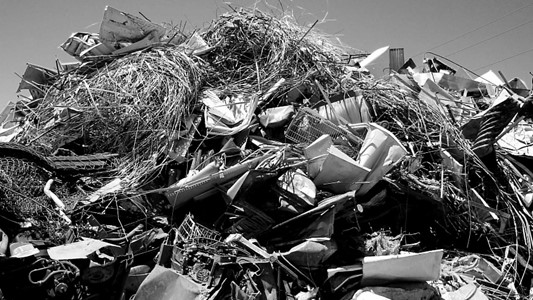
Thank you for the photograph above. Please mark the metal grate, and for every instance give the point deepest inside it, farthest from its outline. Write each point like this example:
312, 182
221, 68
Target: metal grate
94, 162
307, 126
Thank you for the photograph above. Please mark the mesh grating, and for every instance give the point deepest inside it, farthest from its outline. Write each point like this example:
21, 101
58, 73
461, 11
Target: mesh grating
307, 126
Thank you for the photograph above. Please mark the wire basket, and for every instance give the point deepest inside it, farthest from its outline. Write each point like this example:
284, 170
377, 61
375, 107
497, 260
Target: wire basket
307, 126
190, 231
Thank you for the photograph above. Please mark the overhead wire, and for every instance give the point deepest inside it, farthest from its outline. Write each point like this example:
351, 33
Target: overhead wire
492, 37
504, 59
476, 29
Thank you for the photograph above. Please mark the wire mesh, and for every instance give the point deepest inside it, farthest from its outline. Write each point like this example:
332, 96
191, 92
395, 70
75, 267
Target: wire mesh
192, 231
307, 126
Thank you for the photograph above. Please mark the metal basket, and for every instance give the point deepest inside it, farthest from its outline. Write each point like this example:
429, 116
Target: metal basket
307, 126
190, 231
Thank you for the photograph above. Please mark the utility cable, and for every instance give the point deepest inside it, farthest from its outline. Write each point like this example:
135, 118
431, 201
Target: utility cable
476, 29
507, 58
490, 38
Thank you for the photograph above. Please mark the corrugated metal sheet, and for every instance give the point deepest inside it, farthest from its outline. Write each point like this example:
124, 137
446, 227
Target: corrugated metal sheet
396, 59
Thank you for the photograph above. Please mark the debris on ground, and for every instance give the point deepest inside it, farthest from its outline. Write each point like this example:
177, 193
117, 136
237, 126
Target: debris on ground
257, 159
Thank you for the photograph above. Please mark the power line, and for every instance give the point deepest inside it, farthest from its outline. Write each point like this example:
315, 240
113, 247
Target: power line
490, 38
507, 58
476, 29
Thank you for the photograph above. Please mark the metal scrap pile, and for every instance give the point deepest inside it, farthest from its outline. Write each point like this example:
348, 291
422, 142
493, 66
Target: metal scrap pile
256, 159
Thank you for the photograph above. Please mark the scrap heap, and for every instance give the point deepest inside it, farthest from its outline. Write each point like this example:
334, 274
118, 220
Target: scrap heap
256, 159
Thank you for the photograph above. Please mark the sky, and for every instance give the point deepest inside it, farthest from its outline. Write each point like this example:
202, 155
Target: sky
476, 34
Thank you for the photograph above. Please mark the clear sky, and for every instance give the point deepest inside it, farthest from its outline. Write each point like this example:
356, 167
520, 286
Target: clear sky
31, 31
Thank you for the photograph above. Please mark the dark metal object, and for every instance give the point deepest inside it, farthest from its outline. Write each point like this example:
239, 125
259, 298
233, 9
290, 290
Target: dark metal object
396, 59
